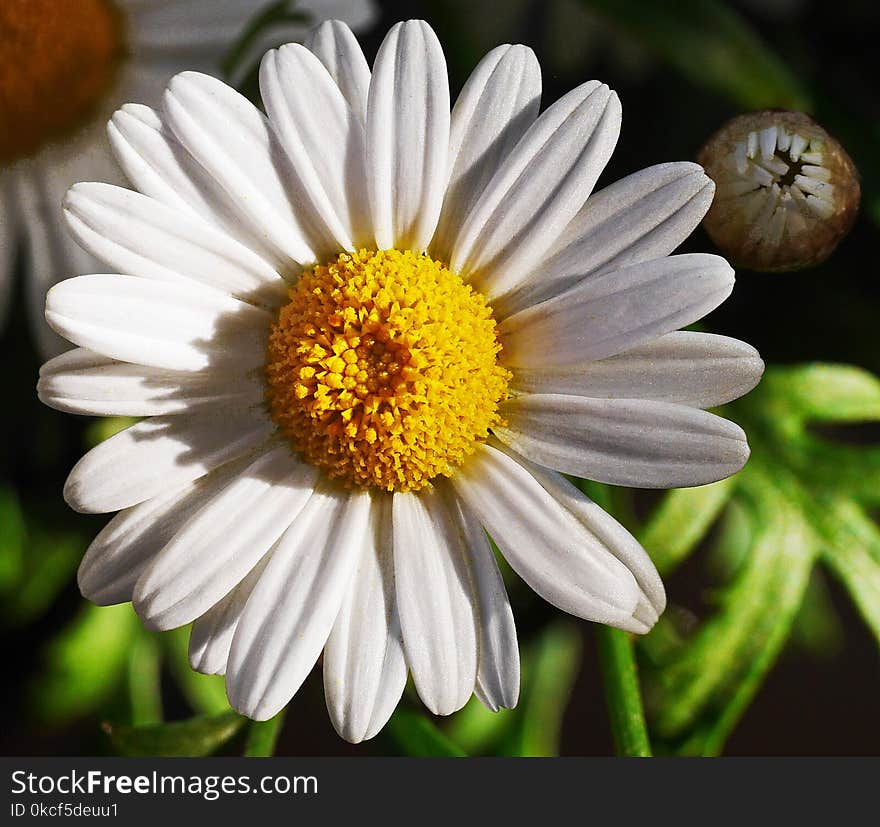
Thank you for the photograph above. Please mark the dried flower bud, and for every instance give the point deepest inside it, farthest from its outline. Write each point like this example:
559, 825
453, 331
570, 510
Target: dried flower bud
786, 191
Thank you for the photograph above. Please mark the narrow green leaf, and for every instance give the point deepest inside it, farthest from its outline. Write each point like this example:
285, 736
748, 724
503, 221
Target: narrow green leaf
12, 538
821, 392
204, 693
49, 563
681, 520
195, 737
622, 692
476, 729
144, 680
712, 46
84, 664
851, 550
416, 735
549, 669
741, 640
262, 736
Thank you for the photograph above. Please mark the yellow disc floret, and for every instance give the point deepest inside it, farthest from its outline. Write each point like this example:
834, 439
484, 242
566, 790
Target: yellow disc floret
383, 369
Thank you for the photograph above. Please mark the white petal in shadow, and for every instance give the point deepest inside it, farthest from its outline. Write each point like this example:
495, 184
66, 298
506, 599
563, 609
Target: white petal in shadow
436, 601
82, 382
223, 541
334, 44
538, 190
211, 636
634, 442
161, 454
292, 609
407, 137
235, 144
697, 369
364, 666
122, 550
498, 667
499, 102
159, 166
553, 550
641, 217
324, 139
165, 325
608, 314
608, 531
140, 236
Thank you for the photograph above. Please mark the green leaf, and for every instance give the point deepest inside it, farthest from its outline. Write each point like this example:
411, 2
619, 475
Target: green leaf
622, 693
196, 737
682, 519
476, 729
851, 549
84, 664
718, 670
204, 693
12, 538
262, 736
417, 736
144, 680
819, 392
712, 46
550, 666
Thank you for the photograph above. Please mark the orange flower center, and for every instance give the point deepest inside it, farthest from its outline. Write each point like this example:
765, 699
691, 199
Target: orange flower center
58, 59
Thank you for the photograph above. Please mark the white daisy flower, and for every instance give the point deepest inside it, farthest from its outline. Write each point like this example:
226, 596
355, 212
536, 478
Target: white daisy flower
64, 69
363, 331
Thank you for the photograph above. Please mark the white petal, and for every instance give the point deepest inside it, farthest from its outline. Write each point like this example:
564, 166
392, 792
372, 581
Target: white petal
234, 142
161, 454
291, 611
407, 136
698, 369
538, 190
140, 236
558, 555
435, 600
82, 382
641, 217
613, 536
167, 325
364, 667
212, 633
498, 670
158, 165
223, 541
499, 102
613, 312
119, 554
334, 44
324, 140
632, 442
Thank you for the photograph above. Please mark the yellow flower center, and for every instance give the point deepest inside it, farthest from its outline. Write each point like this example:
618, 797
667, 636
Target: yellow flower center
383, 369
57, 61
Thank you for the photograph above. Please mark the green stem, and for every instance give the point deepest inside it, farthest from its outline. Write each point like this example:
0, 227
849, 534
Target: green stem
622, 693
262, 736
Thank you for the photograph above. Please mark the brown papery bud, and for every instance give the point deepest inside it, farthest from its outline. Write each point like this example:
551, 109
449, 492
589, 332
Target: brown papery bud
786, 191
